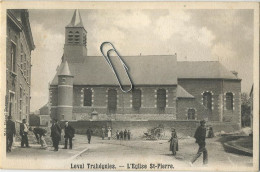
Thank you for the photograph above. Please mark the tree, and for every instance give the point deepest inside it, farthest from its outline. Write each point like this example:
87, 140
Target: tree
245, 110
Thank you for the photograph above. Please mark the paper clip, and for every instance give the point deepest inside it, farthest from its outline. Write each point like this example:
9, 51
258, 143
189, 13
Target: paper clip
107, 58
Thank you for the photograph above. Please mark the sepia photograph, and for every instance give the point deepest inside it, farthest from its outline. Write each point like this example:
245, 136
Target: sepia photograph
130, 86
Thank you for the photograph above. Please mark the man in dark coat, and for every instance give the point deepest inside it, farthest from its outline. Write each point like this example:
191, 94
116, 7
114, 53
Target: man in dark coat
128, 134
200, 136
55, 134
10, 133
121, 135
89, 133
174, 142
69, 134
24, 129
125, 134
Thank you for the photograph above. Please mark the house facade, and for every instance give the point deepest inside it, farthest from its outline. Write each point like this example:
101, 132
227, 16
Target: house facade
85, 88
19, 44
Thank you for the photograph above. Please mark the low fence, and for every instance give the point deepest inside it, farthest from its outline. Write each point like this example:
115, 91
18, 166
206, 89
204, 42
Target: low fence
137, 128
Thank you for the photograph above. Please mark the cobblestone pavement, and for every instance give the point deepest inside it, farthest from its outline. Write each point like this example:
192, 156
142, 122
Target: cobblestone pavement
134, 151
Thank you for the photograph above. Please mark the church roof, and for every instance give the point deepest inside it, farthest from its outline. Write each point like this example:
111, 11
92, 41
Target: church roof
76, 20
182, 93
204, 70
64, 69
143, 70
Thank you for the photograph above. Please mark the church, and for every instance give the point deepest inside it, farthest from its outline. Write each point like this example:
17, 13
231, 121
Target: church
165, 91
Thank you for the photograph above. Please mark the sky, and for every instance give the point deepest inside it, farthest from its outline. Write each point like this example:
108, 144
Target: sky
195, 35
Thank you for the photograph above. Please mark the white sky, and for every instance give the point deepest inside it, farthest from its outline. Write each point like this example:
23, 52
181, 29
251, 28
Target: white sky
195, 35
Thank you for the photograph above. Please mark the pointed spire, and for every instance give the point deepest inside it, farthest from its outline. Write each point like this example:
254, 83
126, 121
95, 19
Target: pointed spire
76, 20
64, 69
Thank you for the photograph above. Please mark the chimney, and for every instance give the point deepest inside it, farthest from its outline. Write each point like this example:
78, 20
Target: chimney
235, 73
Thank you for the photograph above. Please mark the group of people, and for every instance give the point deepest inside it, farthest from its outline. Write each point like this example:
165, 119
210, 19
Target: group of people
200, 136
123, 135
69, 132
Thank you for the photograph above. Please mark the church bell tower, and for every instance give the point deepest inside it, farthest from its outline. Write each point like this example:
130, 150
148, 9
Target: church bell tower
75, 47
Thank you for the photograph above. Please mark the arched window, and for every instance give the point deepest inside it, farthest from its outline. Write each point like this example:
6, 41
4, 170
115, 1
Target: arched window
136, 99
161, 99
70, 37
76, 37
229, 101
87, 97
207, 100
191, 114
112, 100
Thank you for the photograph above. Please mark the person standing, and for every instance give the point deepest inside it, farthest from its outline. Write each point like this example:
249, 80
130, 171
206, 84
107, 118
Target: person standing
200, 136
109, 133
128, 134
89, 133
121, 135
69, 134
39, 134
10, 133
24, 132
125, 134
117, 135
174, 142
103, 132
55, 134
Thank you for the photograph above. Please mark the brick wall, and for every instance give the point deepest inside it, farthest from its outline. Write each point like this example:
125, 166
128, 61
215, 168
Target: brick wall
183, 104
21, 76
124, 104
218, 88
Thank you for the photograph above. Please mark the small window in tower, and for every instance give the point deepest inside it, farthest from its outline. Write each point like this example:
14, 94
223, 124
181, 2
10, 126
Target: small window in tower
87, 97
70, 37
84, 39
63, 80
77, 34
191, 114
76, 37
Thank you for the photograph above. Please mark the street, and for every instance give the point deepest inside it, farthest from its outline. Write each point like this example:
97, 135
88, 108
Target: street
135, 151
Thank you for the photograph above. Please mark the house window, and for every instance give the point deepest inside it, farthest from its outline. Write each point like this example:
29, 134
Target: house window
191, 114
112, 100
11, 104
13, 57
161, 100
229, 101
136, 99
207, 100
27, 104
21, 60
87, 97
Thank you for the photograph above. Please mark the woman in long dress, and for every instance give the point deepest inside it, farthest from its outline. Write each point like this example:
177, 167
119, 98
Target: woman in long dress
174, 142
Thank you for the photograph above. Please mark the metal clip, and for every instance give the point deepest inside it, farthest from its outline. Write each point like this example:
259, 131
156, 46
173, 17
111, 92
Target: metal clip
107, 58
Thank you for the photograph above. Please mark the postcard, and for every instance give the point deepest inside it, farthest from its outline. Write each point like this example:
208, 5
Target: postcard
132, 86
